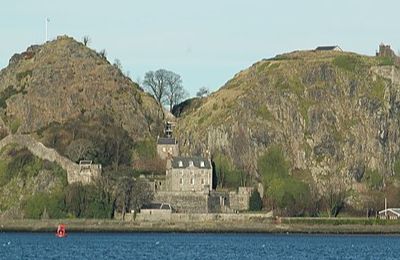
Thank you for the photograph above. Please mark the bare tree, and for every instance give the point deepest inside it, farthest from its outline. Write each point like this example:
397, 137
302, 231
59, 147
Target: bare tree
80, 149
334, 194
86, 40
142, 193
165, 86
175, 92
203, 92
103, 54
117, 64
156, 84
124, 193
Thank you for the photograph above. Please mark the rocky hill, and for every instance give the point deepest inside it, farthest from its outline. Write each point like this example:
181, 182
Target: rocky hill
62, 102
62, 80
330, 112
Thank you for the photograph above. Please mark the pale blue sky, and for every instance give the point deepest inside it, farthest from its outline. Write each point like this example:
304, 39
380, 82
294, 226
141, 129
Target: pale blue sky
207, 41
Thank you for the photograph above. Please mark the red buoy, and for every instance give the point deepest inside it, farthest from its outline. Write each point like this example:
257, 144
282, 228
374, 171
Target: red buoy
61, 231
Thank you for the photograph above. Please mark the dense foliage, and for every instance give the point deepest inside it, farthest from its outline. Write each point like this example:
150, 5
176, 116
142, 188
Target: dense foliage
255, 203
227, 175
283, 191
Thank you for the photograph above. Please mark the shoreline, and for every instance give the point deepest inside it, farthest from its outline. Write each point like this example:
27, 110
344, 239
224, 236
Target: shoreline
267, 226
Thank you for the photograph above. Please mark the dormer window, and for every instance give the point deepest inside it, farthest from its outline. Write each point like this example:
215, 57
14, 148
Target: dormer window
180, 164
190, 163
202, 164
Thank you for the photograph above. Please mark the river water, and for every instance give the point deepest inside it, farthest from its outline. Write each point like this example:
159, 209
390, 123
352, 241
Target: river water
196, 246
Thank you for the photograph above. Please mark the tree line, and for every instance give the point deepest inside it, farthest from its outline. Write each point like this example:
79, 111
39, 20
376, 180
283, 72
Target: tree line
293, 193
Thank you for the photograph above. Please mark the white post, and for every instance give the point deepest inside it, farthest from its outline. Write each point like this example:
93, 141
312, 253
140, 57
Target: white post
47, 20
385, 207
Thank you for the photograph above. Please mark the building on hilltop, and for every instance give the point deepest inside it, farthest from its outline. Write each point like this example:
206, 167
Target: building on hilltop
328, 48
189, 174
385, 51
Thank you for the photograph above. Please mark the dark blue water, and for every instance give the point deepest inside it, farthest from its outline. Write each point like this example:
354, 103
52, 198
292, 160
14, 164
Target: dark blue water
196, 246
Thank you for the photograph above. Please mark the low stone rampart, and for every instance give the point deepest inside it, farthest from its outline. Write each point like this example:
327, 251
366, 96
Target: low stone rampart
197, 217
188, 202
49, 154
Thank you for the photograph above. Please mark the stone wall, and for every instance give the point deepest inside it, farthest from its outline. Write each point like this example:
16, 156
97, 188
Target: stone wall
49, 154
196, 217
239, 201
188, 202
219, 202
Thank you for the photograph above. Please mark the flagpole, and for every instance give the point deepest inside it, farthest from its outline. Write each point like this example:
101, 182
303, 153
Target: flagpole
46, 23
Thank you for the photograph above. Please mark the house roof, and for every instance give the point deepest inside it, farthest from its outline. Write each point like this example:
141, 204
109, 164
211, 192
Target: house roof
184, 162
156, 206
166, 140
327, 48
395, 211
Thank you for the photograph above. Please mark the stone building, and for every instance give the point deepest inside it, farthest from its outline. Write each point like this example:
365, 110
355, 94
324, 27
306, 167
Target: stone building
328, 48
167, 147
189, 174
239, 201
88, 171
385, 51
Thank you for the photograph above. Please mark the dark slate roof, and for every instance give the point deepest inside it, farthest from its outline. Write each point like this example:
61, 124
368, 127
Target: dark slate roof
156, 206
326, 48
166, 140
185, 162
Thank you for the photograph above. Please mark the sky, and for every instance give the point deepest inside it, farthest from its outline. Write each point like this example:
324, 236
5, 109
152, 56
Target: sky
206, 42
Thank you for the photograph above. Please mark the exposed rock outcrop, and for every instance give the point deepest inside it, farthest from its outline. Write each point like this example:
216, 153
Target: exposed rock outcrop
61, 80
331, 112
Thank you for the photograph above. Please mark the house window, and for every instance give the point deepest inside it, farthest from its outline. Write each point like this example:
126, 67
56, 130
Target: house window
202, 164
170, 149
181, 181
180, 164
202, 181
164, 149
190, 163
192, 181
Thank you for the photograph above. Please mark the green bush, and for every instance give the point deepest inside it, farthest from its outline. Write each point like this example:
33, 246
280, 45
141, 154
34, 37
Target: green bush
88, 201
396, 169
290, 195
373, 179
255, 203
23, 164
51, 203
146, 148
227, 176
14, 125
385, 61
264, 113
4, 177
5, 94
273, 165
347, 62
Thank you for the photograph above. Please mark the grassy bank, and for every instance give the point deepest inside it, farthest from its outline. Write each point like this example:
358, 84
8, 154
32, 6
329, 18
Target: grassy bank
284, 225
